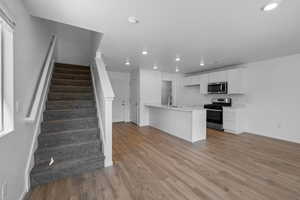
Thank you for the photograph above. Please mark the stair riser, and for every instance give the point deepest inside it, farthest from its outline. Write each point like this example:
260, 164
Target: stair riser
71, 89
71, 76
67, 153
65, 105
73, 67
52, 175
57, 82
70, 71
59, 115
72, 96
69, 125
51, 140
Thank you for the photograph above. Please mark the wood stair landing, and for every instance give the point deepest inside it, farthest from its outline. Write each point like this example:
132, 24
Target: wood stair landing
69, 132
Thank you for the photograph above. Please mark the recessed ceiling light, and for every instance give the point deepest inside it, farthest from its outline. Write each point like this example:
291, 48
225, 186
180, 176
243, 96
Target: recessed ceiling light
144, 52
133, 20
271, 5
202, 63
127, 63
155, 67
177, 69
177, 59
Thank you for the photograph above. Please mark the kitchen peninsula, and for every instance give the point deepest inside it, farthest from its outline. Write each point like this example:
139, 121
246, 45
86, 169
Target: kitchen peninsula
187, 123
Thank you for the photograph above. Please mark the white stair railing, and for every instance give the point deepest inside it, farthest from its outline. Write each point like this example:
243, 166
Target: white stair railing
41, 89
37, 106
104, 97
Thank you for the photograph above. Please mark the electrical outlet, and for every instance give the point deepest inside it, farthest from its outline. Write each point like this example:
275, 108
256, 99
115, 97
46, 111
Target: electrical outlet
4, 191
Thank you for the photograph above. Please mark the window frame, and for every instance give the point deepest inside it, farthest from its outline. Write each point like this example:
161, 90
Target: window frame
1, 78
6, 77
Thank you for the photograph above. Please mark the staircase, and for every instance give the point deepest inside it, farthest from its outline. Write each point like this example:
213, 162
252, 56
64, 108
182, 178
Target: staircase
69, 143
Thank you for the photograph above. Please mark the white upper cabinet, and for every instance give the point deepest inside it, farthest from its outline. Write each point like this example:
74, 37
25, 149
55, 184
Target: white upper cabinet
203, 83
236, 81
234, 78
191, 80
216, 77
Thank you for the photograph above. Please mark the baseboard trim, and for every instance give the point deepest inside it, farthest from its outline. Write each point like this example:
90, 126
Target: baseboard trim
25, 195
108, 163
273, 138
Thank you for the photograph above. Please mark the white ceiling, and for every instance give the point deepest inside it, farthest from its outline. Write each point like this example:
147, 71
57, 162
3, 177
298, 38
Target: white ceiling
222, 32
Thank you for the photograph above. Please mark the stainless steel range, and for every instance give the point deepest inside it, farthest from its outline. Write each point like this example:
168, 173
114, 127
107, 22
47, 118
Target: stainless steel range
214, 112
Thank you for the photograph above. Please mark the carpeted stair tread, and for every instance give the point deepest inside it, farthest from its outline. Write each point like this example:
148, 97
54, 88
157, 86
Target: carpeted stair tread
54, 96
58, 75
71, 89
64, 163
69, 114
59, 147
68, 137
71, 71
45, 173
50, 134
69, 104
68, 151
58, 82
69, 124
71, 66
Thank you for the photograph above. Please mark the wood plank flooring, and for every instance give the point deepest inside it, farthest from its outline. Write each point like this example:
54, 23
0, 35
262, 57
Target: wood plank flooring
153, 165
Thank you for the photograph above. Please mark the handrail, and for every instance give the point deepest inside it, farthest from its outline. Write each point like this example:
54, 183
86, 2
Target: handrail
104, 78
41, 83
104, 97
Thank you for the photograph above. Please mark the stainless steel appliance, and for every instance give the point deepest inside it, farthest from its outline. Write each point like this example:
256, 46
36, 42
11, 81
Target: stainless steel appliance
217, 88
214, 112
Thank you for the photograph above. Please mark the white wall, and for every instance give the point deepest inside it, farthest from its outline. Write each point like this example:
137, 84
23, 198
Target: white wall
120, 84
149, 92
31, 40
272, 97
74, 45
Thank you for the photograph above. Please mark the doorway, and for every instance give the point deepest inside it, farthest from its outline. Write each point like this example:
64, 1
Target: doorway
120, 107
166, 93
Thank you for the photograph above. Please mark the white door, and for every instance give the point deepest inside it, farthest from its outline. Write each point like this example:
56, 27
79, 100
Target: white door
133, 99
120, 104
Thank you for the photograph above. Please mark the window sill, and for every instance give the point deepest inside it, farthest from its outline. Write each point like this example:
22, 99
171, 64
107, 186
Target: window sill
5, 132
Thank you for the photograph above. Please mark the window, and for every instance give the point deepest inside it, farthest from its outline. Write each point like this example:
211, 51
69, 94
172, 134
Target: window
6, 74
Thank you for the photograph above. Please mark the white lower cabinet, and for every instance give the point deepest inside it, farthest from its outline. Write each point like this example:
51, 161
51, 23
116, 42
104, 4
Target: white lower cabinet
233, 120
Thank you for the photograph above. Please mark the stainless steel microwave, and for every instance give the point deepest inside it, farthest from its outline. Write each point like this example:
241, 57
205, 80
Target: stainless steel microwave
217, 88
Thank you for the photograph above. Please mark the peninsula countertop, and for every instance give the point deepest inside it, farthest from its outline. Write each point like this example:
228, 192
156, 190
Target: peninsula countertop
177, 108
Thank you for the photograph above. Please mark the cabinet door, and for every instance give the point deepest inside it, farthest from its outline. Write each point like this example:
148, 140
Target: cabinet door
203, 83
191, 80
216, 77
229, 120
187, 80
196, 80
235, 81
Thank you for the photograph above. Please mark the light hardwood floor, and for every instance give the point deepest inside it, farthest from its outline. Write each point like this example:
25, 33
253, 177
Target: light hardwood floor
150, 164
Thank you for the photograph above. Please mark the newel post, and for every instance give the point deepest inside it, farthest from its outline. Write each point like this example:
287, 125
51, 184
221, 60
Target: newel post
108, 130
